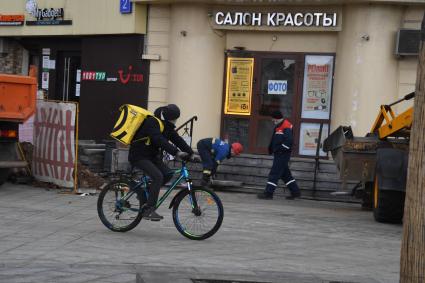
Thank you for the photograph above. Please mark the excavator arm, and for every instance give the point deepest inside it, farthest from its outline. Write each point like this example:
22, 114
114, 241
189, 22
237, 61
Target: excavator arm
394, 125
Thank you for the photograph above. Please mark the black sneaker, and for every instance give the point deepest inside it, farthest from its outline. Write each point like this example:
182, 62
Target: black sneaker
150, 214
264, 196
206, 180
293, 196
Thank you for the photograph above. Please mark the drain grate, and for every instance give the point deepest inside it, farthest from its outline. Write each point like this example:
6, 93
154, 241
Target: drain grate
238, 281
224, 281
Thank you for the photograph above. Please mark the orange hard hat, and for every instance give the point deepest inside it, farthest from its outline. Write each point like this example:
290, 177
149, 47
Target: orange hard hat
237, 148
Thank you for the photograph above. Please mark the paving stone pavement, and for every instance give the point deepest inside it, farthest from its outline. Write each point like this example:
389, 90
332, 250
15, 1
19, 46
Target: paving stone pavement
46, 236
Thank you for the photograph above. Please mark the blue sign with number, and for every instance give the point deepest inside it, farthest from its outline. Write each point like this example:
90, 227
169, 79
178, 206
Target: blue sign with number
126, 6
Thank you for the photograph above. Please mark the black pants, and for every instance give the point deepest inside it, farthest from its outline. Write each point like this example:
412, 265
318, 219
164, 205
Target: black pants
280, 170
158, 172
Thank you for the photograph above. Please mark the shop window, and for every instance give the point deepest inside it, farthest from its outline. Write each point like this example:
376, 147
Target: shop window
264, 133
277, 86
317, 87
316, 103
309, 136
236, 129
297, 84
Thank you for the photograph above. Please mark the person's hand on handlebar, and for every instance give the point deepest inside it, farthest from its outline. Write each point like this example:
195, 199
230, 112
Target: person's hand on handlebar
195, 158
187, 156
183, 155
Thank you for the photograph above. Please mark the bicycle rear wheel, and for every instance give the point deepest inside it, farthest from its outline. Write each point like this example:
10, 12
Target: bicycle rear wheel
201, 221
118, 207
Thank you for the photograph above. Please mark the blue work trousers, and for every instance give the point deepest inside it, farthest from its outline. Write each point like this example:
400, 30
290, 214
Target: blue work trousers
280, 170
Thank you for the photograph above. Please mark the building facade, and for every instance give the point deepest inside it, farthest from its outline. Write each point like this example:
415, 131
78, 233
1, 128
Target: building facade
320, 62
86, 51
229, 62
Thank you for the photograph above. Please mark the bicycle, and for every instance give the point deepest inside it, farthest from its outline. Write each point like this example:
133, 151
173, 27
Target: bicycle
124, 199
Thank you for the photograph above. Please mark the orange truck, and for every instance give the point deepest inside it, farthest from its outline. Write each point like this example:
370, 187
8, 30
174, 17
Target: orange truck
17, 104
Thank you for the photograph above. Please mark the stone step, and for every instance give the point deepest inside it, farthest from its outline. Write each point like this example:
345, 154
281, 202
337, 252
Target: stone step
251, 171
225, 184
93, 151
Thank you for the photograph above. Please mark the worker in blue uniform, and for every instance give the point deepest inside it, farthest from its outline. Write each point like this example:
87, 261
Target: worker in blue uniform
280, 146
212, 152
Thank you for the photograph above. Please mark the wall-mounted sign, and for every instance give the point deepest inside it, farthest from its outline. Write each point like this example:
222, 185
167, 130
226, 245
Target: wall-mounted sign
277, 87
46, 16
124, 76
129, 76
291, 18
94, 76
239, 86
126, 7
12, 20
317, 90
46, 62
45, 80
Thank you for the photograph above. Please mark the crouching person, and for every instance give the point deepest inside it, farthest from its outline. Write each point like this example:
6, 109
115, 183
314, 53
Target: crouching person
213, 151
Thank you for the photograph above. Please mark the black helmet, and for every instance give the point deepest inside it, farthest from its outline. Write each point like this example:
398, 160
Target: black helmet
171, 112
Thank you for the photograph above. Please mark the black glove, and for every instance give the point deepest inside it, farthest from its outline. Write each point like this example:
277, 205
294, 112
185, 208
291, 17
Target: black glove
183, 155
195, 158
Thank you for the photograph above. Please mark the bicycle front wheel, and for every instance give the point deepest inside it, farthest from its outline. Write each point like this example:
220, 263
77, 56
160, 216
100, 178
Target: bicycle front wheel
119, 207
198, 214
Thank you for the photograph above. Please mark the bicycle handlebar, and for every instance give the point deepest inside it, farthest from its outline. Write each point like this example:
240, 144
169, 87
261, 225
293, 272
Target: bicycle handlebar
193, 158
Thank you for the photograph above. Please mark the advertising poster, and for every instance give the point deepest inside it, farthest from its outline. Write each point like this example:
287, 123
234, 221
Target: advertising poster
309, 136
317, 92
239, 86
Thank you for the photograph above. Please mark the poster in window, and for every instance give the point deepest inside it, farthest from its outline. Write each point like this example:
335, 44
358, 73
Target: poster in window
309, 136
317, 90
239, 86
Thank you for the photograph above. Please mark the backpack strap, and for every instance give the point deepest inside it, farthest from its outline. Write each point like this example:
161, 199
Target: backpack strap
148, 139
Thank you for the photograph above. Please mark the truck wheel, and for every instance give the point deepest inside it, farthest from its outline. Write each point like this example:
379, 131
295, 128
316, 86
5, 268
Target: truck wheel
388, 206
4, 174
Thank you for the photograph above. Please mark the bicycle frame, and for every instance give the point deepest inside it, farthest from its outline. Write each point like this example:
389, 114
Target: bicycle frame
183, 174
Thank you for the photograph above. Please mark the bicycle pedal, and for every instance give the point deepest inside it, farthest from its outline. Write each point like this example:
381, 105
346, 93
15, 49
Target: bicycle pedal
155, 220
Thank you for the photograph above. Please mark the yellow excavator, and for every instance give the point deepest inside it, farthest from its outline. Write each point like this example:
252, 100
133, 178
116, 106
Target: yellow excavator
377, 162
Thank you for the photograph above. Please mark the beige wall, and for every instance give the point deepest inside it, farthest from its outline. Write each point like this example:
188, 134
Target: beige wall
196, 68
88, 17
190, 70
158, 43
407, 65
366, 73
286, 41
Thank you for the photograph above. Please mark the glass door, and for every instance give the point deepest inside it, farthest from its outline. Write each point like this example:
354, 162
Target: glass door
277, 87
68, 76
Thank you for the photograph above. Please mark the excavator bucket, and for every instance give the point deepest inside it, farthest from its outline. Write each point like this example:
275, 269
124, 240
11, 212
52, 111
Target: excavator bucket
355, 157
337, 138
